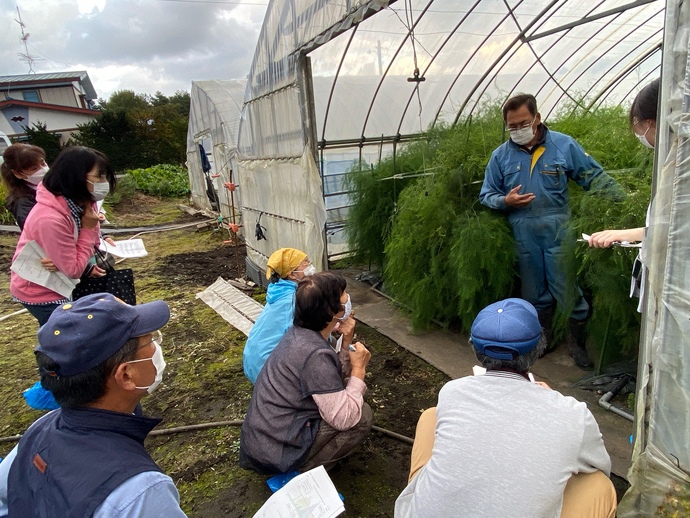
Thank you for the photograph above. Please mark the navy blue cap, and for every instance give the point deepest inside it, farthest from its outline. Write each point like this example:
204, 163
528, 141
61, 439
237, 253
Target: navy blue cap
506, 328
83, 334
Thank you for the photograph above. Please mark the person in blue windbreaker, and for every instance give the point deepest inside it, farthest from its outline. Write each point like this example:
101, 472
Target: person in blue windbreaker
285, 268
527, 178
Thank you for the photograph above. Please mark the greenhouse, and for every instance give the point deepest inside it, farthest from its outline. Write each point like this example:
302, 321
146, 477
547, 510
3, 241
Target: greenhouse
401, 100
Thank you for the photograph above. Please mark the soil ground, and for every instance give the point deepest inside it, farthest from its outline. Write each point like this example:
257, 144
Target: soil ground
204, 379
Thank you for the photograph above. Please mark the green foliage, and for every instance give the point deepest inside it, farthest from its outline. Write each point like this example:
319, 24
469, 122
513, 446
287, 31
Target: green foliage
6, 217
41, 137
125, 190
446, 257
164, 180
139, 130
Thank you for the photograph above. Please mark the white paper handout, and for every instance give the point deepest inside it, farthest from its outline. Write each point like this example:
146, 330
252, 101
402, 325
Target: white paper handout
624, 244
129, 248
309, 495
28, 266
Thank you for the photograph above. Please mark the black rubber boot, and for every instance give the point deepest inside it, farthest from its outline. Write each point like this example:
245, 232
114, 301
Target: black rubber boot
577, 345
546, 321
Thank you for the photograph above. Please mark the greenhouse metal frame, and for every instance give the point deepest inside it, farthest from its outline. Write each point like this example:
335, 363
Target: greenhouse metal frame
336, 85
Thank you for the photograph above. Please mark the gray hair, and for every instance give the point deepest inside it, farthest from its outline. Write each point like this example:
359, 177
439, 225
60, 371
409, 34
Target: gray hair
520, 363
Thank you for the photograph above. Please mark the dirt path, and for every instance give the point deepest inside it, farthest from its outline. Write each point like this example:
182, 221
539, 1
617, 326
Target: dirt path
204, 382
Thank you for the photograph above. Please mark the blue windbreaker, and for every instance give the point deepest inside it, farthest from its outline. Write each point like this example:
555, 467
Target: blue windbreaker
273, 322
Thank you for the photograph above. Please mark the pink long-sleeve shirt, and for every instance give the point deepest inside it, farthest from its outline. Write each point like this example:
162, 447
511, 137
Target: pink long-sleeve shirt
51, 225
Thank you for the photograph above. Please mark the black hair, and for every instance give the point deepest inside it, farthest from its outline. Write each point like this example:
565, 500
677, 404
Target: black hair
67, 175
275, 277
645, 105
518, 101
18, 158
519, 363
85, 387
317, 300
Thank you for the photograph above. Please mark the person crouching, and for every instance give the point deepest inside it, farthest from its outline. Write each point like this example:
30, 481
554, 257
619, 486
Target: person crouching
302, 413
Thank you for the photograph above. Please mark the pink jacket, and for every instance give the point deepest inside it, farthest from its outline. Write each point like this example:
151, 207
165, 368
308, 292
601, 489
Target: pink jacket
50, 224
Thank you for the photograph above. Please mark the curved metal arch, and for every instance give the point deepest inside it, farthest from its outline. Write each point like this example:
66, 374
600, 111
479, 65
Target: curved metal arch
543, 66
390, 64
335, 82
507, 60
623, 58
599, 45
642, 80
433, 58
627, 73
503, 54
623, 74
452, 84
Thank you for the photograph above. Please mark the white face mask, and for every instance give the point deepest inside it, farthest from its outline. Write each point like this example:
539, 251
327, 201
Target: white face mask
38, 175
100, 190
643, 139
158, 364
348, 309
309, 271
523, 136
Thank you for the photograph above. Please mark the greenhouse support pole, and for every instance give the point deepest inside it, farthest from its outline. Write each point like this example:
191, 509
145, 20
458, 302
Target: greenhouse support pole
308, 113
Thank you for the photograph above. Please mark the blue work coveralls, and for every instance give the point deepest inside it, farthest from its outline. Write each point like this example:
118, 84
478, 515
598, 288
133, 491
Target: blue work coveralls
537, 228
275, 319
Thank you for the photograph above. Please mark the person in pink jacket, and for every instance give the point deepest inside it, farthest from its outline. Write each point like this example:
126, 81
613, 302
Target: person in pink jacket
65, 224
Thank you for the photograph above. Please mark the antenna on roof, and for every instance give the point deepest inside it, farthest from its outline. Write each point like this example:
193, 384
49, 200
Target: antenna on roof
26, 57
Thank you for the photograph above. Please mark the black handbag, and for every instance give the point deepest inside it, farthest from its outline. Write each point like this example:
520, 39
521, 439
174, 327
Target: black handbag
116, 282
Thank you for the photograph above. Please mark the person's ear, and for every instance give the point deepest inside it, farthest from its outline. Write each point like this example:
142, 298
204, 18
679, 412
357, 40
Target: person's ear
537, 119
124, 376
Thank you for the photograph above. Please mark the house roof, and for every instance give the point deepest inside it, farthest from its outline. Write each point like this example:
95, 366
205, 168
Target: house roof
51, 79
53, 107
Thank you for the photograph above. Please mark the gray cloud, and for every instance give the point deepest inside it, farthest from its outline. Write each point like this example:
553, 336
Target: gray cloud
156, 45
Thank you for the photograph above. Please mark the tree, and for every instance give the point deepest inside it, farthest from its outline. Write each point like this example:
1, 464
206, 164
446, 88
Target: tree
41, 137
140, 130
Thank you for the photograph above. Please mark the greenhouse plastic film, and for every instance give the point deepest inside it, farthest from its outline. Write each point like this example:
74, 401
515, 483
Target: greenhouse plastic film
660, 474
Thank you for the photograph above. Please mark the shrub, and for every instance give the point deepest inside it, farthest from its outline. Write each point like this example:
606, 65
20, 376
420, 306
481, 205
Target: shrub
447, 257
125, 190
164, 180
6, 217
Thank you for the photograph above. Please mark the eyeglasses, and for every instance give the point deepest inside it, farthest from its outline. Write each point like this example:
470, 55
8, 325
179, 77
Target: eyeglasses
520, 126
157, 338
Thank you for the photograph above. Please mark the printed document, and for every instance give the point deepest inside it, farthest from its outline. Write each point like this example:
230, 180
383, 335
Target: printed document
309, 495
129, 248
28, 266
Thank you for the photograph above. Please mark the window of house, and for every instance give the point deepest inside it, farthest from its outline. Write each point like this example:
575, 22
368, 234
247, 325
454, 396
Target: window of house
31, 95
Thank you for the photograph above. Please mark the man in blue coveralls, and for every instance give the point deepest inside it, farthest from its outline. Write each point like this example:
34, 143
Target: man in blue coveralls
527, 177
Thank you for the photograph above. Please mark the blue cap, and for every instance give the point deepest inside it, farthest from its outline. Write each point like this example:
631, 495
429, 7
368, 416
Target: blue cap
506, 328
83, 334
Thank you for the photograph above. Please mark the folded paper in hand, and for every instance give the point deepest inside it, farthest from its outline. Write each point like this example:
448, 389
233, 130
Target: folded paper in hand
624, 244
311, 494
129, 248
28, 266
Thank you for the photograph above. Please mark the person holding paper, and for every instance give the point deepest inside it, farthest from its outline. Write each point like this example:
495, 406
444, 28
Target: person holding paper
23, 168
65, 224
643, 113
302, 413
285, 268
499, 444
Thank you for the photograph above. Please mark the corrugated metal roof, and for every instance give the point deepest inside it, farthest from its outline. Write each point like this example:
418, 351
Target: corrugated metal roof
58, 77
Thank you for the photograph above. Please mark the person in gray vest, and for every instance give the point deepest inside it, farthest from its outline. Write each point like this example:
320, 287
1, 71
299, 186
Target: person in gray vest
302, 413
99, 357
500, 444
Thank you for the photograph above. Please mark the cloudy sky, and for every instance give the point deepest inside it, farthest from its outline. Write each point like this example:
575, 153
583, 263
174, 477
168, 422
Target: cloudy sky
140, 45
